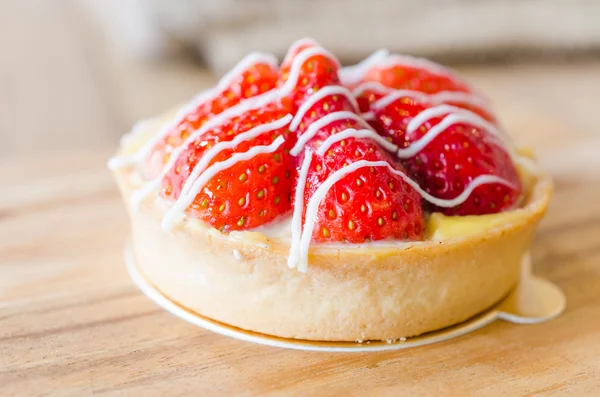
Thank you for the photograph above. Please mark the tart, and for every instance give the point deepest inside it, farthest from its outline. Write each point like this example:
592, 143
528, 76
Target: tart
306, 200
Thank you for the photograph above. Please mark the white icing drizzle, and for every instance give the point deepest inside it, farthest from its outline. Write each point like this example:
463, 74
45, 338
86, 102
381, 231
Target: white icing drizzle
203, 97
378, 88
368, 116
462, 97
237, 110
312, 130
353, 133
296, 45
438, 98
296, 66
316, 97
454, 116
184, 200
418, 63
351, 75
219, 147
147, 147
313, 204
296, 226
241, 108
251, 59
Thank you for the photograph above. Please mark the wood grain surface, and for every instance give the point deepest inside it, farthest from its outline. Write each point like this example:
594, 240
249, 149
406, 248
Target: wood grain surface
72, 323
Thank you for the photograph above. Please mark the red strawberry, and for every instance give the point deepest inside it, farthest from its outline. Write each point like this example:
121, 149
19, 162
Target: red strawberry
252, 76
328, 100
249, 193
482, 111
391, 121
368, 203
454, 158
403, 72
366, 97
317, 68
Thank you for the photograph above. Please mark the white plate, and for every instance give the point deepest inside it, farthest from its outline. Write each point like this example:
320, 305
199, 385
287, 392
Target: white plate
535, 300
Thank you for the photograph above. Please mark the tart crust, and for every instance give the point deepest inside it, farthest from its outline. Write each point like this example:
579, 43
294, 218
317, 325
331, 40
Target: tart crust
349, 293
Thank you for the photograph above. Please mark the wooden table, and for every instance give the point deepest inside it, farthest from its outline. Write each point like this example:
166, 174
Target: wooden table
72, 323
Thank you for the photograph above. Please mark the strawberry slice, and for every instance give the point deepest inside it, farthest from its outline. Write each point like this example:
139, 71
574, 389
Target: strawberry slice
253, 75
462, 148
246, 193
368, 203
306, 68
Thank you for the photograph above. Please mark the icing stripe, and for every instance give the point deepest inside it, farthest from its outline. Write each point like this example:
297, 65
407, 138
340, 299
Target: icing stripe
168, 126
201, 98
462, 97
299, 209
373, 86
418, 63
457, 115
315, 201
296, 45
368, 116
438, 98
351, 75
296, 67
244, 106
353, 133
251, 59
316, 97
185, 200
219, 147
239, 109
226, 80
323, 122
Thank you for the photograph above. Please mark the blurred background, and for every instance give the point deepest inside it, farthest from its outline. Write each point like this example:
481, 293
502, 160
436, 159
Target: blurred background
75, 75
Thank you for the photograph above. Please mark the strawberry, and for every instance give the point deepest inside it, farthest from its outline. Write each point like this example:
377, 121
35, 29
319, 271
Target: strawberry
317, 68
454, 158
391, 121
446, 166
368, 96
366, 204
249, 193
254, 75
407, 73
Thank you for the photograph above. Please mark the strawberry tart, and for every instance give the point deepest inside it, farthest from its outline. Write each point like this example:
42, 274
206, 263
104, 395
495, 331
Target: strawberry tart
313, 201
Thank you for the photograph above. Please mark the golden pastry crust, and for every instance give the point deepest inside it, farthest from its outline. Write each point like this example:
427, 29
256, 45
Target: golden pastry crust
349, 293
